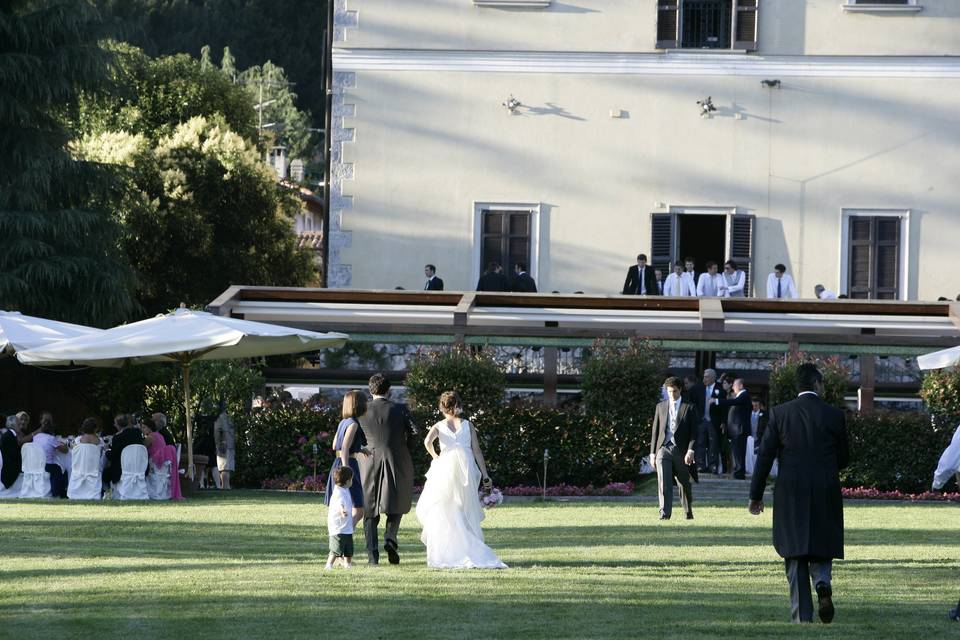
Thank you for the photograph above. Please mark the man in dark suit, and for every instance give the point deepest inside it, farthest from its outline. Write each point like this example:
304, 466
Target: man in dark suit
129, 434
10, 454
641, 279
737, 408
671, 448
809, 438
387, 473
758, 422
708, 431
493, 279
522, 281
433, 282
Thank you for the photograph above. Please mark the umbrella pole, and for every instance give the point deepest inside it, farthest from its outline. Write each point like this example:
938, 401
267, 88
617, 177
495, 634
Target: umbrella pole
186, 407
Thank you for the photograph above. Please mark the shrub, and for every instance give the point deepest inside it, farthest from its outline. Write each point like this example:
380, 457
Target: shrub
278, 442
471, 373
940, 390
621, 384
893, 450
783, 378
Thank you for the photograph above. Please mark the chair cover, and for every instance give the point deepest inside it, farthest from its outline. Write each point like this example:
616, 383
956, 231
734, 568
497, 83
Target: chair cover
14, 490
751, 460
36, 480
133, 466
158, 482
85, 481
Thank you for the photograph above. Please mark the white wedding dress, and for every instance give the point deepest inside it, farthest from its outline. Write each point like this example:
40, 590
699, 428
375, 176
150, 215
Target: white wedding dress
449, 508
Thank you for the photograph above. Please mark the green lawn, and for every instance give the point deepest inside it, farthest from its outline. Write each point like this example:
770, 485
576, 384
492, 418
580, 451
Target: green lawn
250, 565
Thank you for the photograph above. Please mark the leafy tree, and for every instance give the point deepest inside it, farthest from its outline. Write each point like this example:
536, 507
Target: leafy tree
940, 390
291, 126
474, 375
60, 257
783, 378
621, 383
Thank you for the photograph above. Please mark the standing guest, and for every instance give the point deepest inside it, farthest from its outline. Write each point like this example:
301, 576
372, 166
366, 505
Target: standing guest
780, 285
658, 277
677, 284
161, 453
690, 384
809, 438
758, 422
347, 445
709, 283
689, 272
738, 407
672, 442
225, 439
127, 434
387, 474
339, 519
641, 279
45, 438
949, 464
823, 293
433, 282
734, 282
10, 453
708, 432
522, 280
493, 279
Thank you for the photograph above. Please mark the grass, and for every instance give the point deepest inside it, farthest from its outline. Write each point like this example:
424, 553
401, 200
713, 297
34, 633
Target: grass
250, 565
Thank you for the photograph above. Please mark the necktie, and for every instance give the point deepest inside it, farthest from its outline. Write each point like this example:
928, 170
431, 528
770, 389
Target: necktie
643, 288
779, 287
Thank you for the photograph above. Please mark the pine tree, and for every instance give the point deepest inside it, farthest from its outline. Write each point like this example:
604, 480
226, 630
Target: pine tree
59, 256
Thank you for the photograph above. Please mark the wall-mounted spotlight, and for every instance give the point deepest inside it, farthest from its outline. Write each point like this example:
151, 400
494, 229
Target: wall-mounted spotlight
771, 84
512, 104
706, 107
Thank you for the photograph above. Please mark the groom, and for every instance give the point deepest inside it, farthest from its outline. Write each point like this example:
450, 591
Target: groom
386, 474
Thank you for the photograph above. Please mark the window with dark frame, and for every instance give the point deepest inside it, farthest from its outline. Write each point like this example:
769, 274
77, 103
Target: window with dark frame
707, 24
873, 257
505, 238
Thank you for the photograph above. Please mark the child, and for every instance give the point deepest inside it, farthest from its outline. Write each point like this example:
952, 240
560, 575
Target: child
340, 519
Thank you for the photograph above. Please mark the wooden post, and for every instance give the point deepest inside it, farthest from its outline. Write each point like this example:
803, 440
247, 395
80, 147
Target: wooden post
550, 376
868, 377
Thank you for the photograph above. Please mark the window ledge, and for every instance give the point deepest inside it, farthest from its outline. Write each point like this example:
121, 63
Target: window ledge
532, 4
707, 51
881, 8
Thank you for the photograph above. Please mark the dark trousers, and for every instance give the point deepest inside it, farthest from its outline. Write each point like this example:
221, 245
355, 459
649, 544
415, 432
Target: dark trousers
370, 525
738, 447
58, 480
707, 450
670, 465
801, 571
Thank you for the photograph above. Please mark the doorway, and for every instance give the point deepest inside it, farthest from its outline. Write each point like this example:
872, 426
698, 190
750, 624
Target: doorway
702, 237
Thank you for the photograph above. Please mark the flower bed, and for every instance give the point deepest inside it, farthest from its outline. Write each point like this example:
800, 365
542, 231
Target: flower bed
612, 489
865, 493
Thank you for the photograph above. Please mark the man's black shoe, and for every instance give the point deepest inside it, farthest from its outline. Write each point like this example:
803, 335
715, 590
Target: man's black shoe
825, 600
955, 613
391, 548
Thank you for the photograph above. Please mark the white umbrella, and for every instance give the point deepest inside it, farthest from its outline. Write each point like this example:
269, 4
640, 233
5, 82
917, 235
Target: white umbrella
19, 332
183, 336
940, 359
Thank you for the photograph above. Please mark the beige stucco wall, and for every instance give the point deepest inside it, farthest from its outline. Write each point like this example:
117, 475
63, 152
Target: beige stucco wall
427, 145
787, 27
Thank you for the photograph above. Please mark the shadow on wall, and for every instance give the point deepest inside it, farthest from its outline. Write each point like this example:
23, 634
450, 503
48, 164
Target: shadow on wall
771, 247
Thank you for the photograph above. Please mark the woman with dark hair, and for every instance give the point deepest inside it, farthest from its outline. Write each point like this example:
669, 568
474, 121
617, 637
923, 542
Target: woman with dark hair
350, 442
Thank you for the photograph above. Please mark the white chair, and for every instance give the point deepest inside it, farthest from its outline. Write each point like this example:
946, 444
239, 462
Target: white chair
133, 467
158, 482
36, 480
85, 481
14, 490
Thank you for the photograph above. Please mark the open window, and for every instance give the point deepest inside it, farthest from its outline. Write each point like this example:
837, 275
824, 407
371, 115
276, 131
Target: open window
707, 24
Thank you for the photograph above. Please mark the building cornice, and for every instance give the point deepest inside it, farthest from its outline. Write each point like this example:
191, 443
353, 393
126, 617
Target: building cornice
670, 64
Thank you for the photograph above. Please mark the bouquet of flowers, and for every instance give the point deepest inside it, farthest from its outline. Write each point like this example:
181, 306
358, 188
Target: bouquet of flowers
490, 497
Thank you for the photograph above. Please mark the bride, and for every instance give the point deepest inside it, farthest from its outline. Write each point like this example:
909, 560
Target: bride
449, 508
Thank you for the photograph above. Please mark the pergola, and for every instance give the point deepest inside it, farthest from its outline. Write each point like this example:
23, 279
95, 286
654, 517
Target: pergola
867, 328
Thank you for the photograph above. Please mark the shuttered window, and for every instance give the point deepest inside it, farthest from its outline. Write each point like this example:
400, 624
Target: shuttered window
707, 24
873, 259
663, 230
506, 238
741, 246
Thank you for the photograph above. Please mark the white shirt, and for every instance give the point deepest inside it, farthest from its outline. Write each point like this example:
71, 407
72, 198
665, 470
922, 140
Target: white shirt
679, 286
739, 282
826, 294
340, 502
788, 289
708, 285
949, 462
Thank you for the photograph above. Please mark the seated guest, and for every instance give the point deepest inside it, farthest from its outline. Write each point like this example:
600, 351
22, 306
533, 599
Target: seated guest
160, 453
160, 420
45, 438
23, 426
88, 432
128, 434
10, 453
